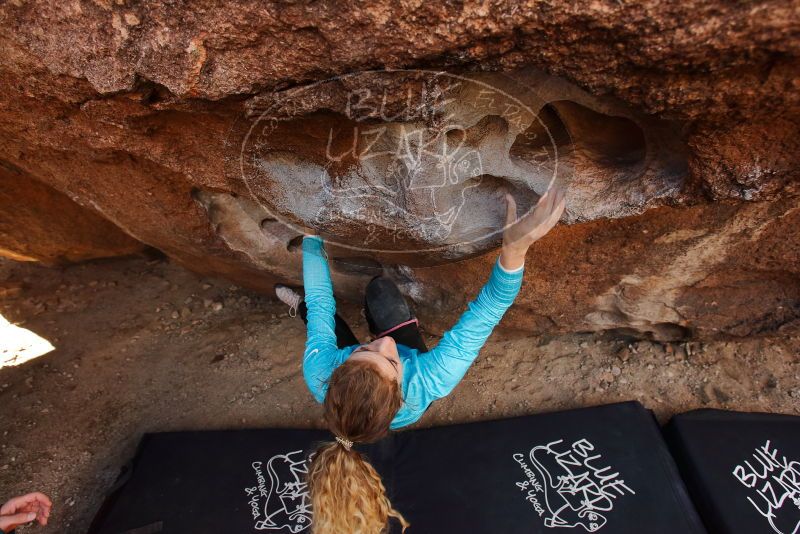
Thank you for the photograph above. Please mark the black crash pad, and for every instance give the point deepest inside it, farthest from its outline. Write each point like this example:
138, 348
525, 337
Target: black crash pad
603, 469
742, 469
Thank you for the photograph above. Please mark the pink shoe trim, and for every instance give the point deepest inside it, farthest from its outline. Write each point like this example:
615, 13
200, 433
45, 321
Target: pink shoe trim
406, 323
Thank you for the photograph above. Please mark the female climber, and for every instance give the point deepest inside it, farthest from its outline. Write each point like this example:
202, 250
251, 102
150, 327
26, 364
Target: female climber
368, 389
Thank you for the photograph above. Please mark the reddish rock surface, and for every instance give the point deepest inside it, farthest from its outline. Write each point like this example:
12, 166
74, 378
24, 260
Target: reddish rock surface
39, 223
140, 113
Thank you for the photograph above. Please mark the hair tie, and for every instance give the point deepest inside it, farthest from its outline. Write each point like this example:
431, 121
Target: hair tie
346, 443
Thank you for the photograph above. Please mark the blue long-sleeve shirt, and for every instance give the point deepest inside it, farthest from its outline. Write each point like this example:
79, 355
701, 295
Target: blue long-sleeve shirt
427, 376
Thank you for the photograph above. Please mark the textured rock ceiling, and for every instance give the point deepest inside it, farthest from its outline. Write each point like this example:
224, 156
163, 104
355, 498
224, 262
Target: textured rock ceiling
212, 131
399, 180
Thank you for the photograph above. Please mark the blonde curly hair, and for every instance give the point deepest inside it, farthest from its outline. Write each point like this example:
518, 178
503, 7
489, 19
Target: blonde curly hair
347, 494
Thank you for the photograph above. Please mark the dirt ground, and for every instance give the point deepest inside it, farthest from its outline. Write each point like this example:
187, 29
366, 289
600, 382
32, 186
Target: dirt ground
145, 346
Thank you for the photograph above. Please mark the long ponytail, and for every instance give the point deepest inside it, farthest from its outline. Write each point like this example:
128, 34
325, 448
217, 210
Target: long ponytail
347, 494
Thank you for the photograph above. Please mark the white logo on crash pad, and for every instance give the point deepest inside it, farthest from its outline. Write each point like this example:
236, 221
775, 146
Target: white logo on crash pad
280, 501
775, 483
568, 486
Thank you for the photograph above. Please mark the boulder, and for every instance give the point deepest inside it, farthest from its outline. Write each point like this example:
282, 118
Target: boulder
218, 132
38, 223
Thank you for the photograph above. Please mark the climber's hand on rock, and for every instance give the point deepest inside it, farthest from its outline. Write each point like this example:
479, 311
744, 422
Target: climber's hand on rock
521, 233
306, 230
24, 509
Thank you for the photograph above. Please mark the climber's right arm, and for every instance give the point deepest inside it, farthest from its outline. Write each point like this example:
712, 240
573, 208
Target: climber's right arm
321, 356
441, 369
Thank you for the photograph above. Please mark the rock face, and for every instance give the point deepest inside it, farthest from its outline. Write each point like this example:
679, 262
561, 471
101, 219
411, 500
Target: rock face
39, 223
216, 132
421, 178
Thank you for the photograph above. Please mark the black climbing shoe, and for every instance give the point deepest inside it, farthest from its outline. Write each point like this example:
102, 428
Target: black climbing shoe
384, 305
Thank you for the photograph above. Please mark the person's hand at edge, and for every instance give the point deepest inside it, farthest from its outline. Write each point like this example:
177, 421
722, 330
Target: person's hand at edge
520, 234
24, 509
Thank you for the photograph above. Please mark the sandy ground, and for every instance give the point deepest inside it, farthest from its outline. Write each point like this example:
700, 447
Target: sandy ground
145, 346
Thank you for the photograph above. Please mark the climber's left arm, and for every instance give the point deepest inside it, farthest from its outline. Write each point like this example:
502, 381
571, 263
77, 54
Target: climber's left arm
321, 355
